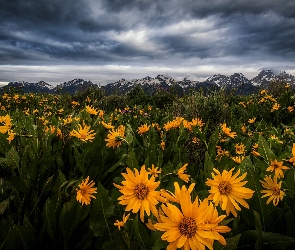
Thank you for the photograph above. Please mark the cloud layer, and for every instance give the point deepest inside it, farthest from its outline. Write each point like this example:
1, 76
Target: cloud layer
106, 39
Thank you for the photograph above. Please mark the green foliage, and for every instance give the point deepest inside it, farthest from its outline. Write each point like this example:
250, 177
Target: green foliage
42, 167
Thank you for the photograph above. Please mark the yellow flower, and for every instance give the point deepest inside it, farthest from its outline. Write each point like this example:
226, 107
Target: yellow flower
139, 192
263, 92
120, 224
197, 122
186, 124
67, 120
238, 159
60, 111
190, 226
53, 130
254, 148
252, 120
84, 133
101, 113
169, 125
162, 144
227, 131
287, 130
213, 218
107, 125
182, 175
273, 190
220, 153
240, 149
243, 104
290, 109
292, 160
156, 125
154, 171
91, 110
277, 167
150, 225
227, 190
86, 191
195, 140
6, 120
74, 104
276, 106
115, 137
255, 153
170, 197
11, 136
143, 129
243, 129
173, 124
275, 138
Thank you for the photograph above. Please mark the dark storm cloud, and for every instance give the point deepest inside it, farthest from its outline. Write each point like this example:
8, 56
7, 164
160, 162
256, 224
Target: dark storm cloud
146, 32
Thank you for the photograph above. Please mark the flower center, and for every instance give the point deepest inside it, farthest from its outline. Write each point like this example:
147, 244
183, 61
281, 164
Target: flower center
83, 191
83, 136
275, 191
188, 227
141, 191
276, 165
224, 188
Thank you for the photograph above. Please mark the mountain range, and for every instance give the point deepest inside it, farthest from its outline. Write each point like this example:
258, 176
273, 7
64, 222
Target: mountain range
150, 85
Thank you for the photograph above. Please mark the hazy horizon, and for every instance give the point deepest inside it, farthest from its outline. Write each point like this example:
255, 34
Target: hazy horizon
190, 77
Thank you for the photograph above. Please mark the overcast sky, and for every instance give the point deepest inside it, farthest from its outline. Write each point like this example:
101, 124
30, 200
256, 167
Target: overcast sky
106, 40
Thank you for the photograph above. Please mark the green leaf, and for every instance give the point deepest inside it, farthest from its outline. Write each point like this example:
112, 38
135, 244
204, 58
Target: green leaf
270, 241
79, 161
111, 245
264, 150
141, 234
231, 243
157, 242
20, 237
290, 179
129, 136
121, 162
208, 166
11, 158
102, 210
212, 143
132, 160
18, 184
72, 214
290, 219
256, 202
276, 241
3, 206
52, 207
258, 230
83, 238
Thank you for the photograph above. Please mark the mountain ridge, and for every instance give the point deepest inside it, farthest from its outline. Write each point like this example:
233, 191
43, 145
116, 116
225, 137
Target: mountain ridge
150, 85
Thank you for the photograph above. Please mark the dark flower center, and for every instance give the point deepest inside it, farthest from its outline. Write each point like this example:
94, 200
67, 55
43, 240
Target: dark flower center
224, 188
141, 191
276, 191
188, 227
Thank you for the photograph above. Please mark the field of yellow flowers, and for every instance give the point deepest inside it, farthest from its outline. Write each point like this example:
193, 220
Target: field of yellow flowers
204, 173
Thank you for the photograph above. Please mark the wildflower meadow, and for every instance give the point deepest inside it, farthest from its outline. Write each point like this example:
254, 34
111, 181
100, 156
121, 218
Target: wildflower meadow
212, 171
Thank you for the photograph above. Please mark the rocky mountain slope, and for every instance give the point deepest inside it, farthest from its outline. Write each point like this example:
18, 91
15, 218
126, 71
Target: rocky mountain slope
238, 82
